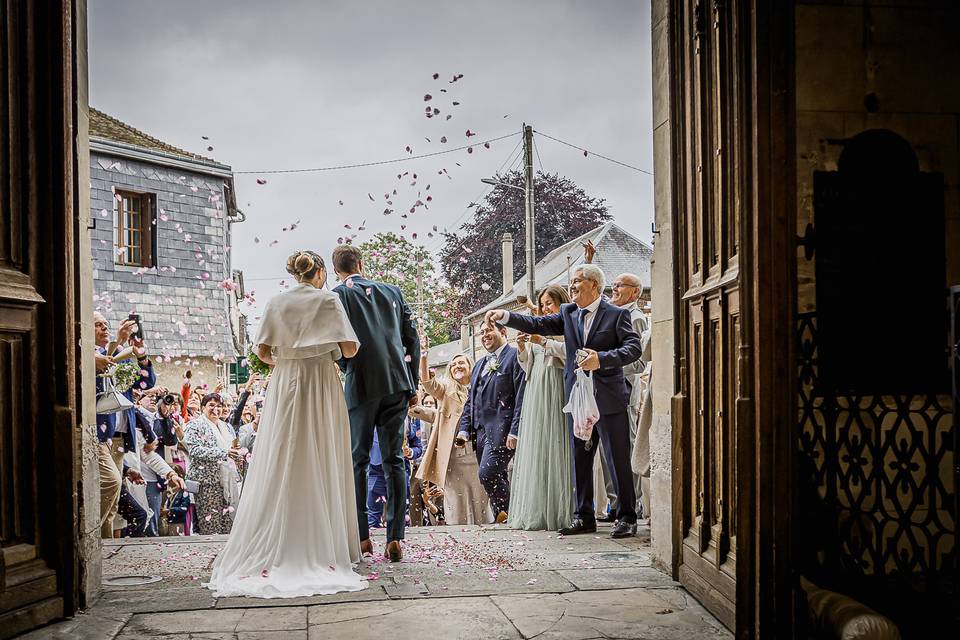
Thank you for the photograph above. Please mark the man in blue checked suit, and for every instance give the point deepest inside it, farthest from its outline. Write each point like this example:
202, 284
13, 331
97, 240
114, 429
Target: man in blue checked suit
604, 335
491, 414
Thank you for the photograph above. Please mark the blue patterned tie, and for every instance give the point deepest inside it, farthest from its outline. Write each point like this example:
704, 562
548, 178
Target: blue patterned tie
581, 321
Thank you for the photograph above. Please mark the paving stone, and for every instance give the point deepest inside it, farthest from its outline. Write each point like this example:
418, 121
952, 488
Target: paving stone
617, 578
300, 634
161, 597
461, 618
273, 619
374, 592
96, 625
185, 621
625, 613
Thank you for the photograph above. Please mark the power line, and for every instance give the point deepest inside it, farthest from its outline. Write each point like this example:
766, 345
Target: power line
512, 160
622, 164
377, 163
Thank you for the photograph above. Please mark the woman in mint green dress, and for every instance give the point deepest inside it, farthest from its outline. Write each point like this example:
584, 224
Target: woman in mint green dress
541, 492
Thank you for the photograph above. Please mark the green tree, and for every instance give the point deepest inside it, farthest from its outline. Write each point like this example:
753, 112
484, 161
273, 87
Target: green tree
395, 260
471, 256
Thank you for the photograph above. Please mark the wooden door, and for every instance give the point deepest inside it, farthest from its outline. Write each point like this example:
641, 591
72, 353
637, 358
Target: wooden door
728, 97
37, 341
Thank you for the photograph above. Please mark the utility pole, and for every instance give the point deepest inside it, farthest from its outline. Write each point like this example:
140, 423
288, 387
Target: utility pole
531, 232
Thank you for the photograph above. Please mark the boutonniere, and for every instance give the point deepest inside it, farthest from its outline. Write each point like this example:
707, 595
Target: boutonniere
493, 365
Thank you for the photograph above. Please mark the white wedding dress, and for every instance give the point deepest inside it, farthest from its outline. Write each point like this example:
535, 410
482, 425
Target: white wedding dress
295, 532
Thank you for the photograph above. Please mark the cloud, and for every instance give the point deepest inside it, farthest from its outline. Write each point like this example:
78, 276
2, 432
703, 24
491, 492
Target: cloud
302, 84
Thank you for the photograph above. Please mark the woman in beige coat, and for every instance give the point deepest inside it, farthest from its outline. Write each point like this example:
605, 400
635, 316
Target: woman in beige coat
453, 470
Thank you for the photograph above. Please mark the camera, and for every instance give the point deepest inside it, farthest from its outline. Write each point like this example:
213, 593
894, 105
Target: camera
169, 399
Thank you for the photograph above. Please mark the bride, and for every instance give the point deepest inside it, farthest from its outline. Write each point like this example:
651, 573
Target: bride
295, 533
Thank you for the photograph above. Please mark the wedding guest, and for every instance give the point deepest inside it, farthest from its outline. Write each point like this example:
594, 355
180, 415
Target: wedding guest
425, 412
376, 479
451, 472
627, 289
213, 464
541, 494
154, 466
604, 336
116, 432
491, 415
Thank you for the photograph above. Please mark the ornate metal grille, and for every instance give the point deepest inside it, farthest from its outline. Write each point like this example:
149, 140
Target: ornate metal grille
878, 491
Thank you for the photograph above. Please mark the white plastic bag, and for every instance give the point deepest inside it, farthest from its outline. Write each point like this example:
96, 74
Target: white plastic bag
583, 406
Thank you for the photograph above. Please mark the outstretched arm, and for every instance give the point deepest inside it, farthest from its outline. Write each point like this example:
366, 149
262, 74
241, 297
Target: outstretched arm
550, 325
410, 339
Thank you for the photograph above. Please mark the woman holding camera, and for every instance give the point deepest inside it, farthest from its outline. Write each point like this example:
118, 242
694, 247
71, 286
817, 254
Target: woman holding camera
213, 464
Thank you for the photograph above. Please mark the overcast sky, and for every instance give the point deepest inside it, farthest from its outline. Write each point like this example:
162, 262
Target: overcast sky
295, 84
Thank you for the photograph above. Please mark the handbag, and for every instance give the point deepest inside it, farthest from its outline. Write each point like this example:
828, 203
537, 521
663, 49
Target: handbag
111, 400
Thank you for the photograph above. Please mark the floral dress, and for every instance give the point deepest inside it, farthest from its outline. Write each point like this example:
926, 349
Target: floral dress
209, 463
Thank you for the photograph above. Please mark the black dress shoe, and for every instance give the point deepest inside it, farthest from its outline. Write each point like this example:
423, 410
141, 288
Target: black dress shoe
624, 530
578, 526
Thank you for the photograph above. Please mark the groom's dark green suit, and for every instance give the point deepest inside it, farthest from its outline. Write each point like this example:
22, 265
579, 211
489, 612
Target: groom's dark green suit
379, 382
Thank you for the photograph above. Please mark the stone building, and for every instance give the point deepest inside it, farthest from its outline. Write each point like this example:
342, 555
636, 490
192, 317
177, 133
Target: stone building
618, 251
160, 237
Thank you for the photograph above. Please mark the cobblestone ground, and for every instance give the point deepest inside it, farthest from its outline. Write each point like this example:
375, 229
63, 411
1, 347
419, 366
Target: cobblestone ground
454, 582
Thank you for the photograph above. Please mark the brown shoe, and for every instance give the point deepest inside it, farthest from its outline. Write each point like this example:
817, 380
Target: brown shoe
394, 552
502, 517
366, 547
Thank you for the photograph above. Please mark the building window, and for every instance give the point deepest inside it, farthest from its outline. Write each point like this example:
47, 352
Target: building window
134, 239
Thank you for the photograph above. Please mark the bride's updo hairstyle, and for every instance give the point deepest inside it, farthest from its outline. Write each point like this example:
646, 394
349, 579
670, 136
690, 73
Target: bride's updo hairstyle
304, 265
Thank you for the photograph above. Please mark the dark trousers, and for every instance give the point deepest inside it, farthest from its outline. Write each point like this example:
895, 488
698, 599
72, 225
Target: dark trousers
385, 414
376, 495
493, 461
613, 431
135, 515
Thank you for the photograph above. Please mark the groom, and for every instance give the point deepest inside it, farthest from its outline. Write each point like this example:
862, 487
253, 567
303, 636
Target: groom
380, 386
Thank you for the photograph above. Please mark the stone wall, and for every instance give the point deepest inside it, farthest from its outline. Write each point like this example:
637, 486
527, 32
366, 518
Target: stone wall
183, 311
662, 301
894, 67
86, 470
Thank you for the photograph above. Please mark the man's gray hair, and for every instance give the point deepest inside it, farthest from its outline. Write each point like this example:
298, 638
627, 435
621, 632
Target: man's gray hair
593, 272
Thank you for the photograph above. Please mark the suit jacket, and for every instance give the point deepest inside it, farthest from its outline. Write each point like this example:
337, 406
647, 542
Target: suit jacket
494, 401
611, 336
389, 355
107, 424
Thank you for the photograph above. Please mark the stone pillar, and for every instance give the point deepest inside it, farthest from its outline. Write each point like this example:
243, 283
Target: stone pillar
507, 246
87, 472
662, 300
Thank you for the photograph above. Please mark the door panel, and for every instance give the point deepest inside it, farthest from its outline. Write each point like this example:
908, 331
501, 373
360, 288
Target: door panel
37, 344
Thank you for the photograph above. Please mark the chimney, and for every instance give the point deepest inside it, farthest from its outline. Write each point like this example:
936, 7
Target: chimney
507, 245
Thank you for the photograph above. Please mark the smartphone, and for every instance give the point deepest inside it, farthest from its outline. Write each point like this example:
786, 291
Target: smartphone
138, 334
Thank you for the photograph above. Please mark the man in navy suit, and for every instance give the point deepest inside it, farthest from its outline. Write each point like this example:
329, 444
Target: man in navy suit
491, 414
380, 384
604, 336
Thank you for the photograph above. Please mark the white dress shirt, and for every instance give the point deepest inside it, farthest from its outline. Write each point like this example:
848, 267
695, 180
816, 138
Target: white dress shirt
486, 360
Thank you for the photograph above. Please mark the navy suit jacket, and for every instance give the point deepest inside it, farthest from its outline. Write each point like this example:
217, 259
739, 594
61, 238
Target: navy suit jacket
494, 401
611, 336
107, 424
388, 360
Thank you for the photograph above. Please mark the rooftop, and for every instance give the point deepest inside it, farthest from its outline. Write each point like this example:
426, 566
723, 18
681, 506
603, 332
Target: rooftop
107, 127
618, 251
